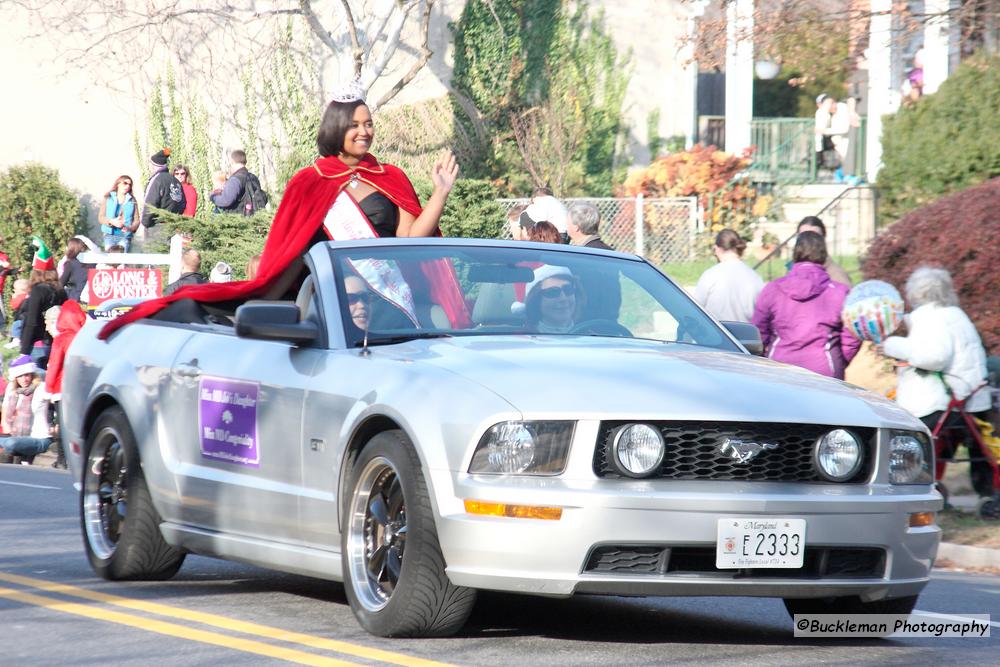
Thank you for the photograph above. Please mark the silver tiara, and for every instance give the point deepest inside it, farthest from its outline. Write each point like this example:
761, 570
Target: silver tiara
352, 92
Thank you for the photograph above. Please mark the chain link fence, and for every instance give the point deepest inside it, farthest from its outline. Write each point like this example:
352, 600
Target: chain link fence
661, 230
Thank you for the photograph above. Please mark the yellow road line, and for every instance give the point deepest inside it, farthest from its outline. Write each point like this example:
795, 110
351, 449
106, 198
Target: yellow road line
175, 630
225, 623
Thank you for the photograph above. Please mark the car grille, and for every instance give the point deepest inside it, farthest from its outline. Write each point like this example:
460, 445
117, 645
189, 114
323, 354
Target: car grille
818, 562
692, 451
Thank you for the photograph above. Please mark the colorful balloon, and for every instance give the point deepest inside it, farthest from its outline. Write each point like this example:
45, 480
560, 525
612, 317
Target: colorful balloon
873, 310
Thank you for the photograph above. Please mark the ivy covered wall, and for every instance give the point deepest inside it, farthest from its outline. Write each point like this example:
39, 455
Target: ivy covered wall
546, 84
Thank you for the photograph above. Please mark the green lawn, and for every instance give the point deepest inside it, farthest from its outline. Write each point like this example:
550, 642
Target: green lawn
687, 273
967, 528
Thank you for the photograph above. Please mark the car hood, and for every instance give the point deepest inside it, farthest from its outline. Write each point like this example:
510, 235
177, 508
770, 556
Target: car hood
613, 378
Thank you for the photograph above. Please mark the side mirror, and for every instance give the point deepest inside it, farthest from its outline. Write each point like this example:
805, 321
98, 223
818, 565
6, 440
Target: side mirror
274, 320
746, 333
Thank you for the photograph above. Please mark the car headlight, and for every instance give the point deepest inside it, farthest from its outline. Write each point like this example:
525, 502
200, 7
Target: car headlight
637, 449
910, 458
838, 455
524, 448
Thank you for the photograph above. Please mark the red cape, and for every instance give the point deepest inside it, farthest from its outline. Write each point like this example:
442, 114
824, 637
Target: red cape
307, 199
70, 321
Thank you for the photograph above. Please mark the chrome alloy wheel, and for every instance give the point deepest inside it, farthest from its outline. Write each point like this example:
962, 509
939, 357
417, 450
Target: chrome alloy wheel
105, 493
376, 536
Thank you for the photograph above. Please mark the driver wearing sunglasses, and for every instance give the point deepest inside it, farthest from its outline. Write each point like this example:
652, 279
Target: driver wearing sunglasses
552, 300
358, 300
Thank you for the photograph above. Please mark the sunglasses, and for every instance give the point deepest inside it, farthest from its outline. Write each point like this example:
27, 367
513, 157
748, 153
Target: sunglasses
553, 292
354, 298
180, 173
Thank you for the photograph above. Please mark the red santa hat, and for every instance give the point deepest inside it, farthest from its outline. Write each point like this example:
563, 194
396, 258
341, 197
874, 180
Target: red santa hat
43, 260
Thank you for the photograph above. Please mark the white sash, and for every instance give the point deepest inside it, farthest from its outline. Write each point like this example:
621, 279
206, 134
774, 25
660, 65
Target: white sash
345, 221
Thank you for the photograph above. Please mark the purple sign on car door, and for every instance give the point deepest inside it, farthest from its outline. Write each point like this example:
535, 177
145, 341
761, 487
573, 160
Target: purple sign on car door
228, 420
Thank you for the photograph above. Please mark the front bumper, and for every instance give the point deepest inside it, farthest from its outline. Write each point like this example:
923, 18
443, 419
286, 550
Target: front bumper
552, 557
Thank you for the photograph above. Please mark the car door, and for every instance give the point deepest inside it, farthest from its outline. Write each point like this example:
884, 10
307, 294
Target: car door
237, 404
340, 381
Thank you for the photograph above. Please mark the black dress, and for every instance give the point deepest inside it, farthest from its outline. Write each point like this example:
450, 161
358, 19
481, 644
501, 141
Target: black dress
382, 213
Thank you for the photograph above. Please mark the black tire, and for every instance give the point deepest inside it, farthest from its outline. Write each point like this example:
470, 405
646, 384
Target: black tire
850, 605
393, 568
121, 528
990, 509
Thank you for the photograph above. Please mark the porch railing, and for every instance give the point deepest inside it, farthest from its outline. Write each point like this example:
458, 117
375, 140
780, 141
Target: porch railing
784, 147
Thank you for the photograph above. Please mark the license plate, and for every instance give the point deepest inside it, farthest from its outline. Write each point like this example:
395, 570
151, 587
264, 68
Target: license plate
771, 542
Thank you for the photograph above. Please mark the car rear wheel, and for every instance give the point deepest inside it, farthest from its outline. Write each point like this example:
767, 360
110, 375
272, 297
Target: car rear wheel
121, 528
850, 605
393, 567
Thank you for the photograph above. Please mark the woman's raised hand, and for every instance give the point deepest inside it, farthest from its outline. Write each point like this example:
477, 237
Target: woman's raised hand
445, 172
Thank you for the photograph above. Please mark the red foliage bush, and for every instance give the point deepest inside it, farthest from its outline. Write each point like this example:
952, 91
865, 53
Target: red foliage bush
959, 232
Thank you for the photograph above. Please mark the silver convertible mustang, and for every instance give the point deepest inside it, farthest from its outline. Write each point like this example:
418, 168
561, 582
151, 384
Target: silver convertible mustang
431, 417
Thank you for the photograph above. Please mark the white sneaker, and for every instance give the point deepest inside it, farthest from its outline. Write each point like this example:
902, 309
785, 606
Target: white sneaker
13, 343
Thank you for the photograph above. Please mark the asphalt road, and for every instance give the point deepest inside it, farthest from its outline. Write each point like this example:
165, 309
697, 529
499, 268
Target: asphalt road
53, 610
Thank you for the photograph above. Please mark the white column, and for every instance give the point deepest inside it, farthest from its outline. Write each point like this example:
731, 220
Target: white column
696, 9
880, 90
739, 74
940, 44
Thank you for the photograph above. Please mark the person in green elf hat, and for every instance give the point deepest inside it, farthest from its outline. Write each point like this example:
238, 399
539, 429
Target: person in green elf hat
44, 293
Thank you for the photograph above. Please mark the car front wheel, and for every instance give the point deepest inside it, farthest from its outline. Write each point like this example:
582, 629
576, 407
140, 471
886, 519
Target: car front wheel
121, 528
394, 572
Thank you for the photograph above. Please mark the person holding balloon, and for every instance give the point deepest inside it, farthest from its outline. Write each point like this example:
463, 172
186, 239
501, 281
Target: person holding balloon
799, 315
943, 356
872, 312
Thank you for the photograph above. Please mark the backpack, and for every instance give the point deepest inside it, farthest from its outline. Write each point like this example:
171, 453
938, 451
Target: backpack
254, 197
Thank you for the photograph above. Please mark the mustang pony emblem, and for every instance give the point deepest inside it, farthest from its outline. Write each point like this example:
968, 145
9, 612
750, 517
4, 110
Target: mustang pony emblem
743, 451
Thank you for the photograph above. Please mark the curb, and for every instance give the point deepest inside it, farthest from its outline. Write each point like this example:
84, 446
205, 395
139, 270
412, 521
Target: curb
961, 555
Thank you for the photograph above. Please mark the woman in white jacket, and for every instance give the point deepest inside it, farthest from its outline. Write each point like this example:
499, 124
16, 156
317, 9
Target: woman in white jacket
944, 353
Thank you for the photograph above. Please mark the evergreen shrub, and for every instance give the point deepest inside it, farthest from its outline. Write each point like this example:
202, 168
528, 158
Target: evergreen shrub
222, 237
33, 202
945, 142
471, 211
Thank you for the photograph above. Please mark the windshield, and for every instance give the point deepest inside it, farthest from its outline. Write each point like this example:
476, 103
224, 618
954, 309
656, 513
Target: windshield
396, 293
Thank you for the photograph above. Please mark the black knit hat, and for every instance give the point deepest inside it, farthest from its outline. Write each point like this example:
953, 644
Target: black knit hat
159, 159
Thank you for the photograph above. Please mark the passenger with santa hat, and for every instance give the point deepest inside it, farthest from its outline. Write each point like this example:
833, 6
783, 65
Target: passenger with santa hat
25, 413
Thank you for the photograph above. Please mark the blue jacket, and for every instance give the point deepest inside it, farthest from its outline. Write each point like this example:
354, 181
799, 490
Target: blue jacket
113, 208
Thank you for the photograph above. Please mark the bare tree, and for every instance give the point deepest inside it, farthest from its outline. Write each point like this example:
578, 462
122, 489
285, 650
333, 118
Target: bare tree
112, 38
778, 23
548, 140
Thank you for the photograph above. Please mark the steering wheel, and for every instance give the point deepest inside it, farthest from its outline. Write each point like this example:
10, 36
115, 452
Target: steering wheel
601, 327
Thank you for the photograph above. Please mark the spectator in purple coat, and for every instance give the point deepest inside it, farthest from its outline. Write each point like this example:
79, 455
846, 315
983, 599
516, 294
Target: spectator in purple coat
799, 315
